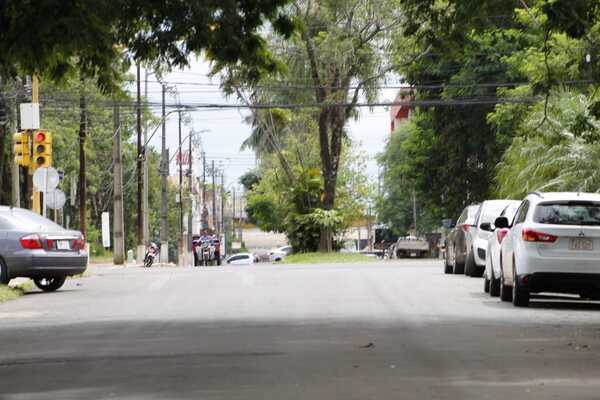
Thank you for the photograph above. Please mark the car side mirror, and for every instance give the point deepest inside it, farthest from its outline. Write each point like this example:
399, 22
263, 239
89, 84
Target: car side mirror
501, 222
486, 226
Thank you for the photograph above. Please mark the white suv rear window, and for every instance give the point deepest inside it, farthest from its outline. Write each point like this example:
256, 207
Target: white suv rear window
568, 213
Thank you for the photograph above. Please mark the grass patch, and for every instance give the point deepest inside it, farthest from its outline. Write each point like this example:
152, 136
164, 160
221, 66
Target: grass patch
317, 258
102, 259
10, 293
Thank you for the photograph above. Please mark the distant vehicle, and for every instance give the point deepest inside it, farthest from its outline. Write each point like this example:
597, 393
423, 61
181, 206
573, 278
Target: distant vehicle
411, 246
480, 232
553, 245
32, 246
280, 253
459, 240
151, 253
241, 259
492, 261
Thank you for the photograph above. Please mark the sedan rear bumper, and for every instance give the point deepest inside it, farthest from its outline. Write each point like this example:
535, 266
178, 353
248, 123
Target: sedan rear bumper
47, 265
558, 282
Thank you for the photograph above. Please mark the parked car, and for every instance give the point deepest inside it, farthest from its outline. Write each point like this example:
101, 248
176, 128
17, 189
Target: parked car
459, 240
492, 261
241, 259
553, 245
32, 246
280, 253
411, 246
480, 233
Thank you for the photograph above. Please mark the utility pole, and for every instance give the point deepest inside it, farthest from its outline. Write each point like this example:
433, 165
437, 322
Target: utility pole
15, 169
164, 201
222, 226
214, 199
179, 158
82, 183
233, 217
145, 210
190, 183
118, 227
138, 170
204, 216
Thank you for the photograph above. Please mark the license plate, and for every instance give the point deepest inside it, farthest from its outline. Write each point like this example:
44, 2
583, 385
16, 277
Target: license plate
413, 254
63, 245
581, 244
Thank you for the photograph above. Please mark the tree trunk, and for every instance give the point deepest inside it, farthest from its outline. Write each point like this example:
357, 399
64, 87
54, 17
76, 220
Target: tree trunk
331, 132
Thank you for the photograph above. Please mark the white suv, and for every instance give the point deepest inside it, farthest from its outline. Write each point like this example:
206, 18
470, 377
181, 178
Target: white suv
553, 246
481, 233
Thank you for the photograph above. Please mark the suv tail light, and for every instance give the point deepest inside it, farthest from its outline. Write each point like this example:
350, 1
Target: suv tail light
31, 242
501, 234
529, 235
465, 227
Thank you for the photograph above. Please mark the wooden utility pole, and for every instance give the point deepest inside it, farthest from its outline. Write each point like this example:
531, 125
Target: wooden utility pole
222, 226
179, 160
118, 226
190, 183
139, 166
164, 201
214, 197
233, 216
82, 178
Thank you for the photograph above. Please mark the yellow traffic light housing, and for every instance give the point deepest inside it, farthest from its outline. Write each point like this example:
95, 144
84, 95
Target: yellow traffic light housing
42, 149
21, 148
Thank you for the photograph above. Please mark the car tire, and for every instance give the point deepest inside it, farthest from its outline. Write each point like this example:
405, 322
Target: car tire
50, 284
447, 266
494, 285
470, 266
4, 279
520, 295
457, 268
486, 285
505, 291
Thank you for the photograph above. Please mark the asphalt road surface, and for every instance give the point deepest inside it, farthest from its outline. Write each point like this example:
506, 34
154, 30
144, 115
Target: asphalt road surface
387, 330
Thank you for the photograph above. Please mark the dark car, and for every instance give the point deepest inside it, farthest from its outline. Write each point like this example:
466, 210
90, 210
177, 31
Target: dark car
459, 240
32, 246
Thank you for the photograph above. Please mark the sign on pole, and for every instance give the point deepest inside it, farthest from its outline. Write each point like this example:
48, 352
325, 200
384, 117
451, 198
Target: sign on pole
45, 179
106, 229
30, 115
55, 199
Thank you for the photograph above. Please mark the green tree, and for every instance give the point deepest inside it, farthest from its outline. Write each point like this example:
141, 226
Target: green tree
56, 37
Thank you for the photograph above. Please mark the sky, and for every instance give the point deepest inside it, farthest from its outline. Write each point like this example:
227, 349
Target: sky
226, 129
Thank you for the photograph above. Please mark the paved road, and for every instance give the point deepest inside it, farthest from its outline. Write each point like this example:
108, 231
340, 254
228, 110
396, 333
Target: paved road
389, 330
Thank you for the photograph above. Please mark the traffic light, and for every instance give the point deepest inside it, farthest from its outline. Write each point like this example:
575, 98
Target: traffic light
21, 148
42, 149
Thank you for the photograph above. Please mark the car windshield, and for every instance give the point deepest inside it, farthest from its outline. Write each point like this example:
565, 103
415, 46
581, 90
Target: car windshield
570, 213
471, 214
28, 221
491, 212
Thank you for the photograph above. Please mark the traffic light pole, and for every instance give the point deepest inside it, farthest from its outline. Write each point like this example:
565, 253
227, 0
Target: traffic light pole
36, 197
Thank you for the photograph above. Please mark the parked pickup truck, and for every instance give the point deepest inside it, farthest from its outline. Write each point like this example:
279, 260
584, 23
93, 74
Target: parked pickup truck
411, 246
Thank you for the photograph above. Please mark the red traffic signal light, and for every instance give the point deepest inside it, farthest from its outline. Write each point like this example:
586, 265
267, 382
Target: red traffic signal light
40, 136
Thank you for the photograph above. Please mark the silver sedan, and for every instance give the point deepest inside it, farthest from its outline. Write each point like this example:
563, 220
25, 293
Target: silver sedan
32, 246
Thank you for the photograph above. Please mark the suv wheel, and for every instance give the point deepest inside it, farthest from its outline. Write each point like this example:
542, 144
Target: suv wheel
447, 266
456, 267
486, 284
4, 279
494, 285
470, 264
50, 284
520, 295
505, 291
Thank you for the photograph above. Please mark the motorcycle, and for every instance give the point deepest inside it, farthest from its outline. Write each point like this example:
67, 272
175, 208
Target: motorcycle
151, 253
207, 252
